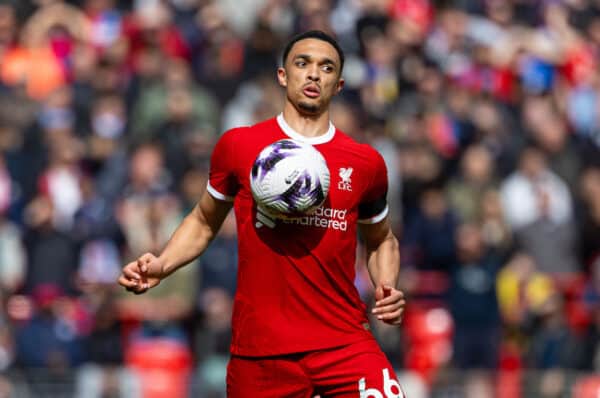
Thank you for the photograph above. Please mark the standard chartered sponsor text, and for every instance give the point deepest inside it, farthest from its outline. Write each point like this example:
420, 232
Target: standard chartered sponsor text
323, 217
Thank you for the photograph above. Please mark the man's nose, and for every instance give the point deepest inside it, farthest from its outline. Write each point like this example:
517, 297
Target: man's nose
313, 74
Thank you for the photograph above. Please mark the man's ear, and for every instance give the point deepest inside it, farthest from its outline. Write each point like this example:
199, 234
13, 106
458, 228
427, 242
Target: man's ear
282, 77
340, 85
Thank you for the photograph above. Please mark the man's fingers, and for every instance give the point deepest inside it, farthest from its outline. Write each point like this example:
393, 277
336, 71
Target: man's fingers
144, 260
394, 296
127, 282
133, 286
135, 276
131, 274
390, 307
391, 315
147, 257
142, 265
396, 315
138, 290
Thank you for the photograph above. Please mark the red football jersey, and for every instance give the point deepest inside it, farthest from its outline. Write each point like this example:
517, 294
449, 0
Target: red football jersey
295, 283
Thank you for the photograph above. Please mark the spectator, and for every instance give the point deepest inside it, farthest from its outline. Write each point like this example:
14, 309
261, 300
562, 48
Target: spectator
476, 178
51, 338
46, 40
549, 131
176, 102
149, 213
61, 180
213, 340
7, 353
103, 376
495, 130
591, 300
56, 120
590, 225
51, 254
538, 207
12, 252
522, 291
552, 344
473, 303
432, 233
420, 168
219, 263
496, 233
106, 159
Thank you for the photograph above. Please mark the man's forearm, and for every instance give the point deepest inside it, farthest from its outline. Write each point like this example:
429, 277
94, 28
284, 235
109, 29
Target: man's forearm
383, 262
187, 243
384, 268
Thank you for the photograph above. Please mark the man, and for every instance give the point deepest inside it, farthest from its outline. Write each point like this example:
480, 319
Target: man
299, 326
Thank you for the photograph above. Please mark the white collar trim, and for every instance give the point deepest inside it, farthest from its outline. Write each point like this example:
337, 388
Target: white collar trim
290, 132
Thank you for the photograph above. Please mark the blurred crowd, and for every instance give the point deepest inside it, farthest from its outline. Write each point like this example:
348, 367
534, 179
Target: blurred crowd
487, 113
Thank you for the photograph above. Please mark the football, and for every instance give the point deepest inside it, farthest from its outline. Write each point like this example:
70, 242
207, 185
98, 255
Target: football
289, 178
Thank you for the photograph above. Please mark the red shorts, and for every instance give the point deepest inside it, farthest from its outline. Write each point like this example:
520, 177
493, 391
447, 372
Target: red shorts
358, 370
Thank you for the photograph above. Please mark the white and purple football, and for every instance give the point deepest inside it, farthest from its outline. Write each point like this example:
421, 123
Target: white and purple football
289, 178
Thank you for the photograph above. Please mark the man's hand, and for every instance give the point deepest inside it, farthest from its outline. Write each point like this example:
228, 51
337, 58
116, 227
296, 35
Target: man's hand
389, 305
142, 274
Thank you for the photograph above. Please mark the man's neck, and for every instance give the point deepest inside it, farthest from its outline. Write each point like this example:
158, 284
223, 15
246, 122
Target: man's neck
306, 125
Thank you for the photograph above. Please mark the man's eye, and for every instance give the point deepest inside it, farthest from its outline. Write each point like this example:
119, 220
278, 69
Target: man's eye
328, 68
300, 63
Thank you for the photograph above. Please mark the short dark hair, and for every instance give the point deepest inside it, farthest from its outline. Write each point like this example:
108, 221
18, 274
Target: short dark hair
313, 34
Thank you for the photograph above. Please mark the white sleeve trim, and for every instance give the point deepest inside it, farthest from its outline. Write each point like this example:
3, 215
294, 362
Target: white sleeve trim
218, 195
375, 219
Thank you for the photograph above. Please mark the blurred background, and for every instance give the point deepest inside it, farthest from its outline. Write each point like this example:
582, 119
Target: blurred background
487, 114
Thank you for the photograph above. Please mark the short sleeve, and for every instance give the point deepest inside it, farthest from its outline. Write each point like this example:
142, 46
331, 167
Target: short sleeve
222, 180
373, 206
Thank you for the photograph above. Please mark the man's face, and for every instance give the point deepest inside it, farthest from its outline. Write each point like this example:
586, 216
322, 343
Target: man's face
311, 75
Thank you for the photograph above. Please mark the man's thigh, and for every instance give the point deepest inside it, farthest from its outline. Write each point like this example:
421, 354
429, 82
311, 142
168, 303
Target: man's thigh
278, 377
359, 370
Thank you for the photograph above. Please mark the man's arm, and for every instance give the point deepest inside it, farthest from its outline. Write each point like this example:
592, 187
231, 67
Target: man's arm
383, 263
195, 232
188, 242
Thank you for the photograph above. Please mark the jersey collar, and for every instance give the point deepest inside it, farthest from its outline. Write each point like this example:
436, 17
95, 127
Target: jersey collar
290, 132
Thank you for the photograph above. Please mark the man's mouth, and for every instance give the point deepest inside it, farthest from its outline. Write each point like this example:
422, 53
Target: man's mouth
312, 91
